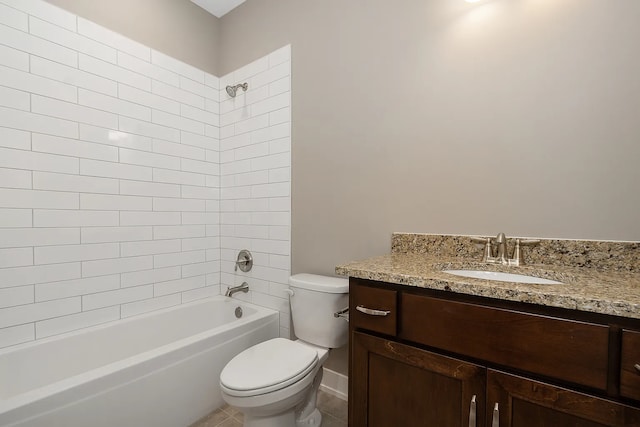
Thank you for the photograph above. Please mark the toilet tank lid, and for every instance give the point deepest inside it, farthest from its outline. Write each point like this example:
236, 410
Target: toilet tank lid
316, 282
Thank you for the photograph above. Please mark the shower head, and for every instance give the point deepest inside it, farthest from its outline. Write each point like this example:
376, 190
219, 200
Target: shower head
231, 90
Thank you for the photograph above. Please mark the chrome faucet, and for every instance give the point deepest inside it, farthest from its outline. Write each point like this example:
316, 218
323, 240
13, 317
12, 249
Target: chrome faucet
241, 288
501, 253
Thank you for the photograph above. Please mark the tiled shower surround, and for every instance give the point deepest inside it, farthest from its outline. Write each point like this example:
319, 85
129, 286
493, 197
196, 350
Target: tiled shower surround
255, 181
129, 180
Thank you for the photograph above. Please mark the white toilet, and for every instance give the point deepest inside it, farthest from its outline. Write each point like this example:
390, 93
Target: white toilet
275, 383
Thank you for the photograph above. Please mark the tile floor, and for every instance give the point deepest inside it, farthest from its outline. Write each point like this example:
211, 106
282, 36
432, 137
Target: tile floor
333, 409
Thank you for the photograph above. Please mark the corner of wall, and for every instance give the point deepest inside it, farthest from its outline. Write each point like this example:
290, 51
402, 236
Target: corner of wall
255, 173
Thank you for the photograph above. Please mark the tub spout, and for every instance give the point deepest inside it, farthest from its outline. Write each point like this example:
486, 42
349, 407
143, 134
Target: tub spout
242, 288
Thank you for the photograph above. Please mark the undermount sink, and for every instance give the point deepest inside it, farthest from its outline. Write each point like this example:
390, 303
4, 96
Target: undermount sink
502, 277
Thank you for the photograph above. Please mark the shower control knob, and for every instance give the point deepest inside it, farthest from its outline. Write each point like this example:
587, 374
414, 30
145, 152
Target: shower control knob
244, 261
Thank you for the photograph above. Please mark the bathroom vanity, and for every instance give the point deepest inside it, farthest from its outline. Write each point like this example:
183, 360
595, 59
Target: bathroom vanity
431, 349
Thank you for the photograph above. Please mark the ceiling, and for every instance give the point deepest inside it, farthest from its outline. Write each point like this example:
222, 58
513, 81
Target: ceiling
218, 7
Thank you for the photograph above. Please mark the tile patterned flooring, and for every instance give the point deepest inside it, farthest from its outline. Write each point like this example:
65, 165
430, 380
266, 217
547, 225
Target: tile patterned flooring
333, 409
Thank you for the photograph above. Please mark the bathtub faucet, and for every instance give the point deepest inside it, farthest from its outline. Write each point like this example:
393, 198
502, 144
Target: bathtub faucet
242, 288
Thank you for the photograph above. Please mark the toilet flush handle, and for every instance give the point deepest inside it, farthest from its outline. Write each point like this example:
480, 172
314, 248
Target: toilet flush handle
344, 313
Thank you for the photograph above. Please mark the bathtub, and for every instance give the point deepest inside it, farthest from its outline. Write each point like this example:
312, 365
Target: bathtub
155, 370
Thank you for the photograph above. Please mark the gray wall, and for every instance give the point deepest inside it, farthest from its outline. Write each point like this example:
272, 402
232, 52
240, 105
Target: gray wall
177, 28
439, 116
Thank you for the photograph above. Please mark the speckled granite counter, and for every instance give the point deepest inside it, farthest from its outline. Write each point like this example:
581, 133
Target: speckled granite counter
604, 287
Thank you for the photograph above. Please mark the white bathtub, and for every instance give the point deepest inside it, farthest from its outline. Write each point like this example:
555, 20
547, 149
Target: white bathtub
154, 370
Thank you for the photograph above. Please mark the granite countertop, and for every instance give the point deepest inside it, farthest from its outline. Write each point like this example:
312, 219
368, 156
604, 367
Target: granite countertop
611, 292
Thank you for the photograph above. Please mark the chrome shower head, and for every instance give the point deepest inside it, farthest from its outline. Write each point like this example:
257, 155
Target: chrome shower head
232, 90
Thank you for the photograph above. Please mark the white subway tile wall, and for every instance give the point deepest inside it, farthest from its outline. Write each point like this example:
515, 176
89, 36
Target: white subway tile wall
111, 167
255, 165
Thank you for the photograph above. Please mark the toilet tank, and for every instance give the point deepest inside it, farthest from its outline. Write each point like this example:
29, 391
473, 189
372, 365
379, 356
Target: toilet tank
314, 300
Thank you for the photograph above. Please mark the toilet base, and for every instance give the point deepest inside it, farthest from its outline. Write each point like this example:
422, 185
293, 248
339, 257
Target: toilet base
313, 420
285, 419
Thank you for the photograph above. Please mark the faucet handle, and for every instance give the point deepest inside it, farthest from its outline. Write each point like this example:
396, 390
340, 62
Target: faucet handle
482, 240
487, 241
529, 242
517, 258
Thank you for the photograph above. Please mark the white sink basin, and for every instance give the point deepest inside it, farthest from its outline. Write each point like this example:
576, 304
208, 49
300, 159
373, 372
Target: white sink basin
502, 277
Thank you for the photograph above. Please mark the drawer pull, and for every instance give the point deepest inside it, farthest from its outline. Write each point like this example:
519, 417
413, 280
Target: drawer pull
496, 417
637, 366
472, 412
372, 312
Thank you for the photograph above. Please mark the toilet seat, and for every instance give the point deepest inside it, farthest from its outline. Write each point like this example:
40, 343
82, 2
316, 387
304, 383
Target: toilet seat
266, 367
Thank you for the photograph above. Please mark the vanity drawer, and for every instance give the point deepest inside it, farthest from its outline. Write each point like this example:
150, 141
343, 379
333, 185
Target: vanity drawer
373, 309
630, 358
564, 349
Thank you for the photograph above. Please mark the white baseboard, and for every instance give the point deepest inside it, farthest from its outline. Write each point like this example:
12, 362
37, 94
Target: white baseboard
335, 383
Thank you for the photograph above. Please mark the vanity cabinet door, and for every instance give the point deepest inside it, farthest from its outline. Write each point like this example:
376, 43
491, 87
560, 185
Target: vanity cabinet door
397, 385
630, 365
527, 403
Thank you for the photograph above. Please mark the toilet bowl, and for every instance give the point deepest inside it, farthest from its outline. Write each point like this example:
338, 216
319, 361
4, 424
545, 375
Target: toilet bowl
275, 383
270, 380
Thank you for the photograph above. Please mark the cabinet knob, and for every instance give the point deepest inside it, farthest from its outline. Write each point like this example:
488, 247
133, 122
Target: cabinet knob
496, 416
472, 412
637, 366
372, 312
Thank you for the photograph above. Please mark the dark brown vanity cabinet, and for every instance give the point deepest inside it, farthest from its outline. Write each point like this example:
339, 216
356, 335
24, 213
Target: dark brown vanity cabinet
427, 358
630, 365
395, 384
523, 402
